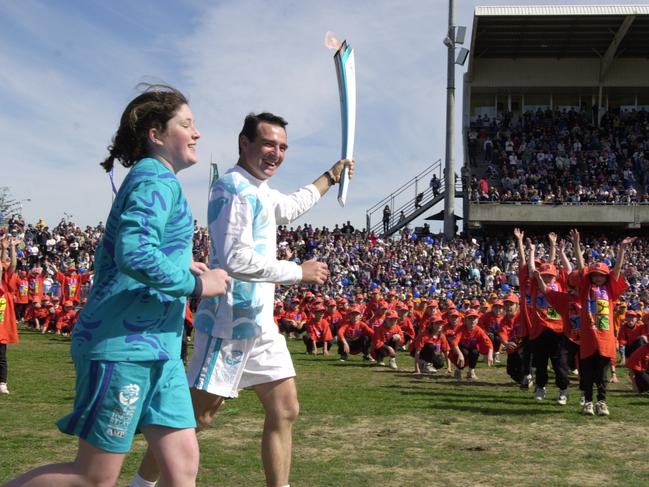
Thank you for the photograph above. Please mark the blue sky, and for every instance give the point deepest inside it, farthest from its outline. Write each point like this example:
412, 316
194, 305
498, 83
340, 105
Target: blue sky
70, 67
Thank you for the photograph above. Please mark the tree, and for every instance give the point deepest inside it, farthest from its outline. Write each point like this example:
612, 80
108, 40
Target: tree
8, 205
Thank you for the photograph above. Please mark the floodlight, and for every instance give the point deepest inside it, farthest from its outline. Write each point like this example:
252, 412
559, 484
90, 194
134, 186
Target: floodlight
460, 33
461, 56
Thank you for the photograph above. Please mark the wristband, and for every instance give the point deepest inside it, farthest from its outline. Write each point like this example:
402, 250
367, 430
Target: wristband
330, 178
198, 287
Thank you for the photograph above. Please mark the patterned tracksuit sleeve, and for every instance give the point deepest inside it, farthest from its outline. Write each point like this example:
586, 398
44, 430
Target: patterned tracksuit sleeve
146, 212
248, 252
288, 207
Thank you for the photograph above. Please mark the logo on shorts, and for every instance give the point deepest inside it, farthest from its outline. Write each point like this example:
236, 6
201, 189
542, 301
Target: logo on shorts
233, 358
129, 394
122, 415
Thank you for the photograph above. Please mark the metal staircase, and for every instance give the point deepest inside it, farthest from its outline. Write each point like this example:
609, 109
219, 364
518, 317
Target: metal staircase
405, 199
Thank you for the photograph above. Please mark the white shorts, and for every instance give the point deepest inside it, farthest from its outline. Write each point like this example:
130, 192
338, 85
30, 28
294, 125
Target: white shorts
223, 367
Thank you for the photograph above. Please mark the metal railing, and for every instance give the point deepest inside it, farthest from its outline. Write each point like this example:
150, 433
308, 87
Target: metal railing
408, 201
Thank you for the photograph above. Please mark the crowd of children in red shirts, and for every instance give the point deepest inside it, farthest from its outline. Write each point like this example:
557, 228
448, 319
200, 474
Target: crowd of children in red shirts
22, 298
571, 317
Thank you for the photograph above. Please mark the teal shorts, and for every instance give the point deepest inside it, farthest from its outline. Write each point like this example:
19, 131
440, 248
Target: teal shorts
114, 400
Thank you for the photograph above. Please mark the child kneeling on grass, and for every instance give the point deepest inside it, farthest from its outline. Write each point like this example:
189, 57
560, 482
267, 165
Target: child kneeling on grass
638, 365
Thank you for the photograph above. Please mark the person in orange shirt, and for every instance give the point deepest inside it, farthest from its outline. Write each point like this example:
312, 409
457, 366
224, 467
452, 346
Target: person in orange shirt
511, 337
8, 286
354, 336
526, 289
292, 323
632, 335
453, 324
42, 315
406, 325
28, 317
386, 340
432, 307
318, 332
430, 349
71, 282
65, 322
490, 322
332, 315
470, 341
188, 328
546, 329
378, 317
391, 299
35, 280
638, 366
373, 305
598, 291
278, 314
21, 296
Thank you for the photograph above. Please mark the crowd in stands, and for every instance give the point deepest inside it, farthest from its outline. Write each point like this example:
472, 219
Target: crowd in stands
561, 157
398, 294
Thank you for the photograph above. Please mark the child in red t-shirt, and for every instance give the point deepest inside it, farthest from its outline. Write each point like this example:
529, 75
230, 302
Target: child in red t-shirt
632, 334
8, 286
387, 339
318, 332
638, 365
21, 297
470, 341
598, 291
431, 349
354, 335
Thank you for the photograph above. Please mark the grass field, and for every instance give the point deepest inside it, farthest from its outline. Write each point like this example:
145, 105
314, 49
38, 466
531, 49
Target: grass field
362, 425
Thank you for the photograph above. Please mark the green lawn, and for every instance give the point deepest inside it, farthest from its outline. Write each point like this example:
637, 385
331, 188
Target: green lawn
362, 425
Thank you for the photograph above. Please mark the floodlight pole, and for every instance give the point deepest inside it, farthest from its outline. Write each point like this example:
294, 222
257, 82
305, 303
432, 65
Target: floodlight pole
449, 170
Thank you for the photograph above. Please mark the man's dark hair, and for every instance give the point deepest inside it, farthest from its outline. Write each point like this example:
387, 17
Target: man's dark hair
252, 121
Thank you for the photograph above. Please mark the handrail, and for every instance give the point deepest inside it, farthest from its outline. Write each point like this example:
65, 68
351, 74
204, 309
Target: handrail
411, 209
402, 194
400, 189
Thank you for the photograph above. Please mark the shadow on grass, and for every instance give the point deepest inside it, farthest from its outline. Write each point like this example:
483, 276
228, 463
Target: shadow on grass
491, 411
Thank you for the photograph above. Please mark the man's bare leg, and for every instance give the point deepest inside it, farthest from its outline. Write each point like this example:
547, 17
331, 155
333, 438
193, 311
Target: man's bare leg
281, 405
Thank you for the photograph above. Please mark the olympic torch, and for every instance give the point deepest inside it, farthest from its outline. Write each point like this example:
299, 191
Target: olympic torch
346, 74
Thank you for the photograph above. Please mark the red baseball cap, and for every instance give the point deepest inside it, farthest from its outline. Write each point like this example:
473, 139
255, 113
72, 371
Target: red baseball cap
471, 312
511, 297
548, 269
599, 268
391, 314
438, 318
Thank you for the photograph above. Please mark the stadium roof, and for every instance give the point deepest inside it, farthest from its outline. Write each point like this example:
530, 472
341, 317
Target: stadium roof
561, 31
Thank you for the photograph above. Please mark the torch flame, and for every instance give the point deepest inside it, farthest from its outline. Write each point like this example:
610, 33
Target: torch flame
331, 42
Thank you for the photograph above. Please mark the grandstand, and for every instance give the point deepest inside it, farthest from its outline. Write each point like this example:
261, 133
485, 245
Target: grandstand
555, 117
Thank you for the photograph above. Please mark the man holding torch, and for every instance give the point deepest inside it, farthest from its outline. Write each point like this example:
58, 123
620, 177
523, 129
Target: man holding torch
237, 343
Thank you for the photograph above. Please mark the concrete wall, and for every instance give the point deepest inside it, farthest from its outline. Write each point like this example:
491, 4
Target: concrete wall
533, 72
616, 215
